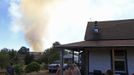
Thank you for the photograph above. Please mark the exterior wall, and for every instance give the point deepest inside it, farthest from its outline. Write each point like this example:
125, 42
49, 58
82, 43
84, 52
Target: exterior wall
130, 61
99, 60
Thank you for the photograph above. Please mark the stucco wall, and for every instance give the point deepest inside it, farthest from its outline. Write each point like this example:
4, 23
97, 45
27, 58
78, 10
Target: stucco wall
130, 58
99, 60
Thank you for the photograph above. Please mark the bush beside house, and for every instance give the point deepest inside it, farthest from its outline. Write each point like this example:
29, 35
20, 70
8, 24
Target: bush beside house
34, 66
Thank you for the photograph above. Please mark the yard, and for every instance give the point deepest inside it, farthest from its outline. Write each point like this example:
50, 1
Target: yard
44, 72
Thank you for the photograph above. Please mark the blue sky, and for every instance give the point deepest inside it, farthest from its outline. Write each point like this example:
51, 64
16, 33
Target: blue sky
72, 19
8, 39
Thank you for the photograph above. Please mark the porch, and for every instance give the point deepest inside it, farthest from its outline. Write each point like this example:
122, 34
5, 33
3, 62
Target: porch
101, 56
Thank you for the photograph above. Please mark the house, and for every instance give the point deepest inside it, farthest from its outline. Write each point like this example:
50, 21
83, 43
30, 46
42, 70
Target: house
36, 55
108, 45
69, 57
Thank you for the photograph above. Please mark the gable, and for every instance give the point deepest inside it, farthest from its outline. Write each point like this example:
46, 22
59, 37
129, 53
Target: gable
112, 30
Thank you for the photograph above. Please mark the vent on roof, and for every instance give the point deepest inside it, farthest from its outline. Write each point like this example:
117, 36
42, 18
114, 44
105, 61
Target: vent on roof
96, 31
96, 28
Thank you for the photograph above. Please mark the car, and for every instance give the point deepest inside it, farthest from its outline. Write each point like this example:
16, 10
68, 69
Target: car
53, 67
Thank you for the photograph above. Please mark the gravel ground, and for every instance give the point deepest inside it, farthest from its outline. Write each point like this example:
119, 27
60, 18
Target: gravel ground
45, 72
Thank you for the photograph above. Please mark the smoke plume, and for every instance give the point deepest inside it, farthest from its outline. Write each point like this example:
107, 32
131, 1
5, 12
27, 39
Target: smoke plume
31, 17
34, 21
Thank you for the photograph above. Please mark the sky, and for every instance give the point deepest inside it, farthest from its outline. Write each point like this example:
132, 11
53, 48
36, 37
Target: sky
8, 39
66, 20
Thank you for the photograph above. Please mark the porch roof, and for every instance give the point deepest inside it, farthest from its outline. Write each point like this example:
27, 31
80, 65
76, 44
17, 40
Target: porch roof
98, 44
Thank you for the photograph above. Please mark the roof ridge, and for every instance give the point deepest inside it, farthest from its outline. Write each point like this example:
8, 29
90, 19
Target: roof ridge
112, 20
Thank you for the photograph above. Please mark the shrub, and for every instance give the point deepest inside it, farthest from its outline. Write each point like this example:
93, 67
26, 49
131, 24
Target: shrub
34, 66
4, 60
109, 72
18, 69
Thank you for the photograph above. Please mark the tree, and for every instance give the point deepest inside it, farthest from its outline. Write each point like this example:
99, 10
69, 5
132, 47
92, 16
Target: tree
12, 53
23, 50
4, 60
13, 56
28, 58
4, 50
50, 55
56, 44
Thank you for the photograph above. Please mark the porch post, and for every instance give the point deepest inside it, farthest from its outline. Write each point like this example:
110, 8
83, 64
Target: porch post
113, 68
85, 62
61, 60
79, 57
72, 56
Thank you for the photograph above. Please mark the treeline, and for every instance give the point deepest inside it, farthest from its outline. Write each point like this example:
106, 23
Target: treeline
23, 56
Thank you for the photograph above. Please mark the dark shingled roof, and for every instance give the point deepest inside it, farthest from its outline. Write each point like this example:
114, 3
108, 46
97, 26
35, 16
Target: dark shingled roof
112, 30
119, 33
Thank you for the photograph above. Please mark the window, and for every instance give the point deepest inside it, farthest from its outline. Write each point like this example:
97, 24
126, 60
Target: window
119, 66
119, 60
119, 54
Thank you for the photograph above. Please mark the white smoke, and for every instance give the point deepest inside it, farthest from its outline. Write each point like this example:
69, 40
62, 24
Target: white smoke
31, 17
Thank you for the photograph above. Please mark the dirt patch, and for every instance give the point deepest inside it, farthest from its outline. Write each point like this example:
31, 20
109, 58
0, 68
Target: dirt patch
43, 72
